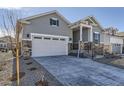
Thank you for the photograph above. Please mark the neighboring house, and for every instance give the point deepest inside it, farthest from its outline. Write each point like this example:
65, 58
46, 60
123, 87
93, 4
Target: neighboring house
6, 43
121, 34
50, 34
3, 45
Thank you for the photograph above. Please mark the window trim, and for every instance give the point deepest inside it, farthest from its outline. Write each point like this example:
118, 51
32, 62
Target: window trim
56, 22
96, 37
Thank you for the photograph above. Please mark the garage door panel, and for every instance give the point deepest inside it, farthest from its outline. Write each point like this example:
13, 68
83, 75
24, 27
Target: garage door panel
41, 47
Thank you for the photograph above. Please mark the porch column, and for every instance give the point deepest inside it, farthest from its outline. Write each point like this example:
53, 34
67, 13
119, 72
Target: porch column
81, 32
91, 34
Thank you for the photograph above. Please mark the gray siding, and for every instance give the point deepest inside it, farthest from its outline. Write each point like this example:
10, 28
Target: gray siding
76, 35
85, 35
42, 25
106, 39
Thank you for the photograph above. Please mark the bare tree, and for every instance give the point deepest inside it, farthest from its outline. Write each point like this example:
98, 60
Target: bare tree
8, 25
11, 27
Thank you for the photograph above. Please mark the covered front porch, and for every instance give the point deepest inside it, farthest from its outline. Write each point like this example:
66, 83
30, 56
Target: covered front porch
81, 32
83, 40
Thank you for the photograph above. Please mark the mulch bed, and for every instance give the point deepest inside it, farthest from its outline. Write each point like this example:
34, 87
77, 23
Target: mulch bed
29, 63
14, 76
32, 69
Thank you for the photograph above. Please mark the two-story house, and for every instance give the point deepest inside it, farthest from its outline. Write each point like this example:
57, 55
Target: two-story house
51, 34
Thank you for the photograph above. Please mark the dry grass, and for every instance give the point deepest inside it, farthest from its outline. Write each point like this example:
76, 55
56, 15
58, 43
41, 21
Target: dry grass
119, 62
6, 71
1, 68
112, 60
14, 76
5, 56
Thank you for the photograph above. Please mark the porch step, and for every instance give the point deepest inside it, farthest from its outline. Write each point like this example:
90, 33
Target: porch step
75, 54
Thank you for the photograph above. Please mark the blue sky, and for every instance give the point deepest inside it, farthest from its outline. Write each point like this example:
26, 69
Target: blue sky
106, 16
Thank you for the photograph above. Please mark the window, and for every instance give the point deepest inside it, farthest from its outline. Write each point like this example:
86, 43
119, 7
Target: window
1, 45
28, 35
55, 39
70, 39
96, 37
46, 38
4, 45
54, 22
62, 39
38, 37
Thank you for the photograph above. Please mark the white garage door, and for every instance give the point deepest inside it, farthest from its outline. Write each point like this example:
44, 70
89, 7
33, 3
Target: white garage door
49, 46
116, 48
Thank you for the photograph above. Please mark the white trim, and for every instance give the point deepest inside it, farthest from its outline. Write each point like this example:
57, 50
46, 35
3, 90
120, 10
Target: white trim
82, 20
45, 35
21, 39
81, 32
91, 19
77, 25
26, 39
48, 35
54, 18
24, 22
91, 35
88, 26
97, 32
121, 48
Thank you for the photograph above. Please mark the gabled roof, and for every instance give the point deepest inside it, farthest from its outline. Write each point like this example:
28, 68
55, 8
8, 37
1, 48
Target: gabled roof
47, 13
92, 19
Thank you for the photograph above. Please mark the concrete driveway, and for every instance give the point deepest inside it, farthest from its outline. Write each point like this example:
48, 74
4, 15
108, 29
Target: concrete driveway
73, 71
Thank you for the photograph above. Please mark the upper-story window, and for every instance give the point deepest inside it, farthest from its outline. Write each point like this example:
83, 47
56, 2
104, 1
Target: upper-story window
28, 35
1, 45
5, 46
54, 22
96, 37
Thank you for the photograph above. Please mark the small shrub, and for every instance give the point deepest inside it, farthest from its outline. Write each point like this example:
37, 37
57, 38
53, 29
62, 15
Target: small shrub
26, 58
42, 83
